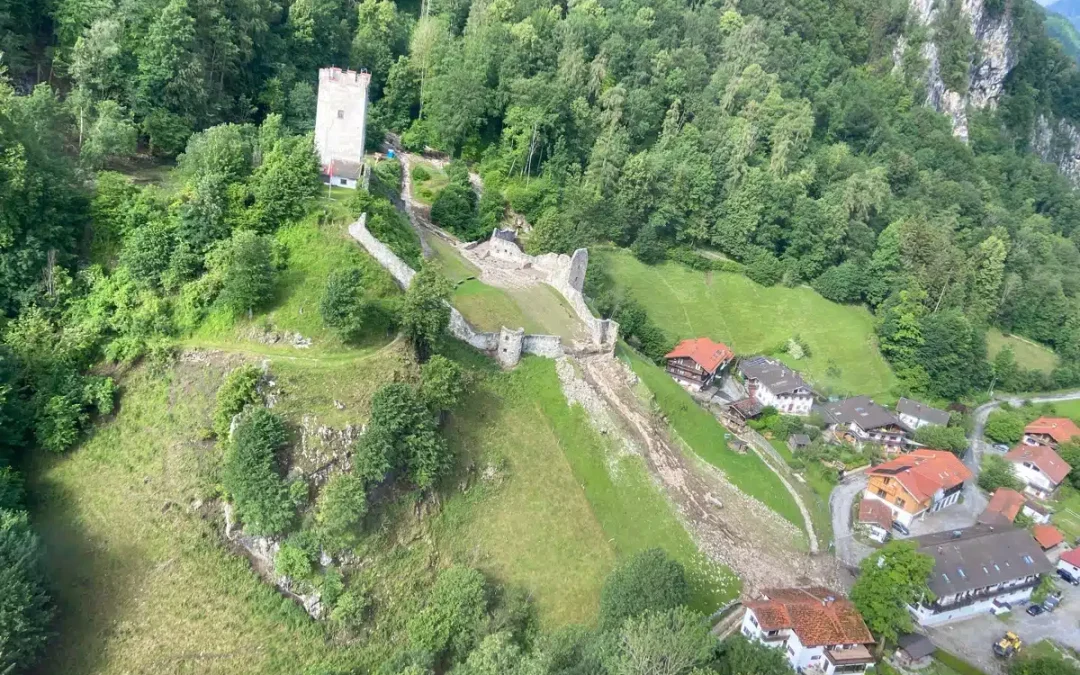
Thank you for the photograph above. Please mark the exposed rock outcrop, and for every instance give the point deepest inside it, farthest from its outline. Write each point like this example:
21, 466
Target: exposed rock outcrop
994, 58
1058, 142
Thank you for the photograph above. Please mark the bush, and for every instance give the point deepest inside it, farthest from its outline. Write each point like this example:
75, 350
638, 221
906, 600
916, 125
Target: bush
455, 209
843, 284
351, 608
765, 269
1005, 426
649, 580
247, 261
251, 477
292, 562
341, 507
449, 625
239, 390
997, 473
420, 173
401, 434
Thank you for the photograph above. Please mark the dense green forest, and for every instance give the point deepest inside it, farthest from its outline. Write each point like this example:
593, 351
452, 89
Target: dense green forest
780, 134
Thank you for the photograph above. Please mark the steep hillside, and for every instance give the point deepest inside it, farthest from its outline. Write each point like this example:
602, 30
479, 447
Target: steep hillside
1064, 30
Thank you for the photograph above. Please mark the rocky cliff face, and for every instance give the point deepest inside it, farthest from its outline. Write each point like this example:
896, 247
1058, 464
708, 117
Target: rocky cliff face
993, 60
1058, 142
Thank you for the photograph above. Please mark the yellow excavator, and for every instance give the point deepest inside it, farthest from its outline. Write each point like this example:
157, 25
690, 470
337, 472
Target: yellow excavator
1008, 645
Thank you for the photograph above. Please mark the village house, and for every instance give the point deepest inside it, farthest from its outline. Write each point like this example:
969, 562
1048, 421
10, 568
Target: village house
914, 651
859, 420
922, 481
1050, 431
1048, 537
977, 570
341, 125
1036, 511
915, 415
1069, 562
697, 363
818, 630
771, 383
876, 519
1004, 506
797, 442
1040, 468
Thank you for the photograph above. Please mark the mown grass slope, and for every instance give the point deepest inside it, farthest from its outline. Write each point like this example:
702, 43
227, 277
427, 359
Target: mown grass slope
1029, 355
730, 308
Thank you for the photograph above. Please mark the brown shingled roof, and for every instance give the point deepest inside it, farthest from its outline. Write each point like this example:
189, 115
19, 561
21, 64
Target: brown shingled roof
1048, 536
923, 472
1006, 502
1061, 429
875, 511
819, 617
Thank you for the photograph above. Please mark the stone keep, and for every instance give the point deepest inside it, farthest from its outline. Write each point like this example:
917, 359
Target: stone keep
341, 115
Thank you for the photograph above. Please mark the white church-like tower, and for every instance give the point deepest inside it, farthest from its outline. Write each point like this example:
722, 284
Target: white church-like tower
340, 122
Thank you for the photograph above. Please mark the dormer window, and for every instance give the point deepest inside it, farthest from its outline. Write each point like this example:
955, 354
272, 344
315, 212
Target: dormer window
341, 114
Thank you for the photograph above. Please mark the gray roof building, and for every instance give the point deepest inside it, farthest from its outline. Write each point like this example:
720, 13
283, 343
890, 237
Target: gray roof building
981, 556
772, 374
906, 406
862, 411
916, 646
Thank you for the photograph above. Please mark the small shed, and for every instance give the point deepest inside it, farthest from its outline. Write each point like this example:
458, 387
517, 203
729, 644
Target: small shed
914, 651
876, 518
798, 442
737, 445
1048, 536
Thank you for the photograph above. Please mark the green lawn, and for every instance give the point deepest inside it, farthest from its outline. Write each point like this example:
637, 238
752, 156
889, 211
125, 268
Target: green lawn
705, 436
313, 250
426, 191
1029, 355
565, 505
814, 490
1067, 513
730, 308
451, 263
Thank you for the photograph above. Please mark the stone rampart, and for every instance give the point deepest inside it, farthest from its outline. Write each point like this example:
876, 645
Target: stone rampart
507, 345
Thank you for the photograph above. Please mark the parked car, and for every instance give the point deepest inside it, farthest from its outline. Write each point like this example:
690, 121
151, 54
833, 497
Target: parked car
1051, 603
1001, 447
1068, 577
899, 527
1035, 610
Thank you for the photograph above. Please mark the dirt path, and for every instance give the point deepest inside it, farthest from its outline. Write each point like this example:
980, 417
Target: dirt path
729, 526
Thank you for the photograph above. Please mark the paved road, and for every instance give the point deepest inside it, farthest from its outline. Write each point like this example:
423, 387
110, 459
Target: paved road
848, 550
972, 639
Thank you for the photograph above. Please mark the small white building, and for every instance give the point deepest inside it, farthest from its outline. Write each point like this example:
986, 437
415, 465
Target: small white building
915, 415
771, 383
1039, 467
981, 569
819, 631
1070, 562
341, 125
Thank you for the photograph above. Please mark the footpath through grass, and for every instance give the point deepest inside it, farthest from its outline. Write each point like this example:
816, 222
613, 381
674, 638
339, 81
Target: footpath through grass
705, 436
563, 504
730, 308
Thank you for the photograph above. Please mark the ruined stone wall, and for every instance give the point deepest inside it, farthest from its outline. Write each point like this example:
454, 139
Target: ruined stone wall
507, 345
548, 346
398, 268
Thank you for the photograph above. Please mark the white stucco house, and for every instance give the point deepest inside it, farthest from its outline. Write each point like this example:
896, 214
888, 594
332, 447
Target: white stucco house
981, 569
819, 631
1070, 562
771, 383
1039, 467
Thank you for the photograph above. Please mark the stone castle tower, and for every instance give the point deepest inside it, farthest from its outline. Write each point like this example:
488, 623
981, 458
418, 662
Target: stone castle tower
340, 122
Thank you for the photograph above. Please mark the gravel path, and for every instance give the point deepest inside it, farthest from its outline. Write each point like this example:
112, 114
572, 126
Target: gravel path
848, 550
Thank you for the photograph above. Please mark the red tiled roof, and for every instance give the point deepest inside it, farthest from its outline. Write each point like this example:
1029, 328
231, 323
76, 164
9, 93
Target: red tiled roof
1006, 502
819, 617
1048, 536
875, 511
1072, 556
1042, 456
1060, 429
706, 353
923, 472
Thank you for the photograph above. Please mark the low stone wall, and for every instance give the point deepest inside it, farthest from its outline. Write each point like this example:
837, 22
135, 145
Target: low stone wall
507, 345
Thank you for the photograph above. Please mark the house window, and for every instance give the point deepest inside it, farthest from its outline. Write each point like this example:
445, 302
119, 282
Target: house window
881, 493
899, 501
341, 114
342, 181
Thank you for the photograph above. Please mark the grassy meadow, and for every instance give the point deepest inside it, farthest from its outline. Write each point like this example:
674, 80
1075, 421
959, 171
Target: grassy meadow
539, 500
1029, 355
751, 319
425, 191
705, 436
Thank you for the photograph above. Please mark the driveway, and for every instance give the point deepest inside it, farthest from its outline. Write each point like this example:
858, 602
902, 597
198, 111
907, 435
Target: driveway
972, 639
848, 550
